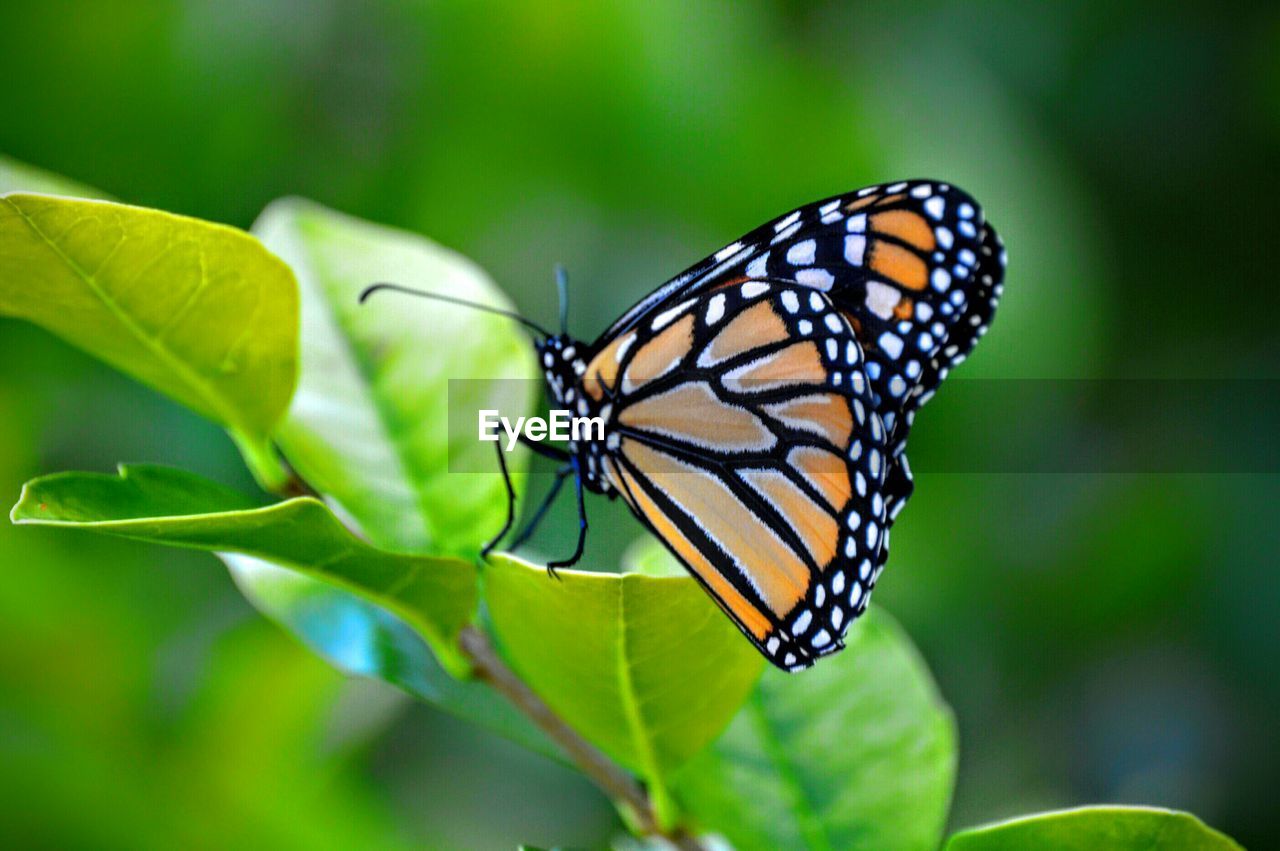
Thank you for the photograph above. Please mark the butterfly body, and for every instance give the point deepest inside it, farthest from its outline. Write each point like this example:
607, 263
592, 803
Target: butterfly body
564, 360
756, 407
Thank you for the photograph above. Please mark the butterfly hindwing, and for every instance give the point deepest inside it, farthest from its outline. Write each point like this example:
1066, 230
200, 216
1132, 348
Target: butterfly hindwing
745, 437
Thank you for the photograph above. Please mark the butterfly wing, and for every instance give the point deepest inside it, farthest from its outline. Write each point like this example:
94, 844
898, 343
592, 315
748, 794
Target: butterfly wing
913, 265
982, 291
742, 433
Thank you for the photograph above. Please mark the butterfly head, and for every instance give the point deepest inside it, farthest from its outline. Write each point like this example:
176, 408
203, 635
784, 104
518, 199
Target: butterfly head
563, 361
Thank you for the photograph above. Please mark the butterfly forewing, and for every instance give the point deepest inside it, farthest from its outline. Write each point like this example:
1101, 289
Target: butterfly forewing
913, 265
905, 261
744, 435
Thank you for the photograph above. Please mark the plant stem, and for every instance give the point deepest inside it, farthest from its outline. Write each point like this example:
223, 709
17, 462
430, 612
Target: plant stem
615, 782
480, 652
290, 484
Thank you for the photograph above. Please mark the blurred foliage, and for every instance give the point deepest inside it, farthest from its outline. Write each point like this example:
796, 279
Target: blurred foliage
1088, 828
1100, 637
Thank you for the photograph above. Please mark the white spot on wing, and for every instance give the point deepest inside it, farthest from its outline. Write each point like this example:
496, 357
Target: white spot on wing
819, 278
891, 344
786, 234
802, 622
881, 299
715, 310
728, 251
664, 318
802, 253
854, 246
624, 346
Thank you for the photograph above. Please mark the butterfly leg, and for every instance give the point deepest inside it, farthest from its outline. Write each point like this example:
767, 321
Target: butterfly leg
529, 528
552, 566
552, 452
511, 504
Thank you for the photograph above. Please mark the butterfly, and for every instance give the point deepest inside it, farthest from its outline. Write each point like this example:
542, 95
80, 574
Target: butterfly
757, 405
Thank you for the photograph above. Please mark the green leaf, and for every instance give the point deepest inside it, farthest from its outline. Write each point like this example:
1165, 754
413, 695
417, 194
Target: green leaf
858, 752
199, 311
646, 668
366, 640
435, 596
370, 425
1115, 828
648, 556
20, 177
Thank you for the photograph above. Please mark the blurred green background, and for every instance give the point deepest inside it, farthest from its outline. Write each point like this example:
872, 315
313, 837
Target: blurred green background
1101, 636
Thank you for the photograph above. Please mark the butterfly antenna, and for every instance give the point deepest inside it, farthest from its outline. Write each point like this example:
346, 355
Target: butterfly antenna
497, 311
562, 287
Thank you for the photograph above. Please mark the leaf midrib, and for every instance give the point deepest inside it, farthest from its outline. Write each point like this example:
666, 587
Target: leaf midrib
153, 345
630, 700
368, 386
808, 822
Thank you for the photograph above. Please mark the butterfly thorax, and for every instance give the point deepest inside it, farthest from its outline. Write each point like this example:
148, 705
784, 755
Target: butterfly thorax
563, 361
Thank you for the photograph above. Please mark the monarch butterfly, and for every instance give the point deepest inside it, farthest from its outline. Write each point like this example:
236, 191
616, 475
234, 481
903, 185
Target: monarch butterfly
757, 405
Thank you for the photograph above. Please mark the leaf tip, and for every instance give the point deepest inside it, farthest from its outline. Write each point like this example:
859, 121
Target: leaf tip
17, 514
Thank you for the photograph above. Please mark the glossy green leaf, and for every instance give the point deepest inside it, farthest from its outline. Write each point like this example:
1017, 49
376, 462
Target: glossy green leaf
435, 596
19, 177
199, 311
363, 639
647, 668
858, 752
647, 555
1115, 828
370, 425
